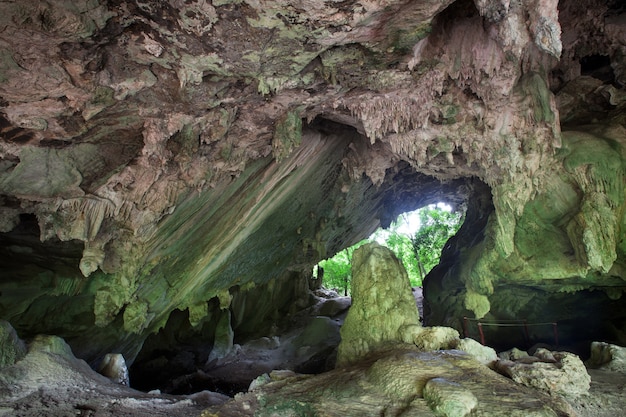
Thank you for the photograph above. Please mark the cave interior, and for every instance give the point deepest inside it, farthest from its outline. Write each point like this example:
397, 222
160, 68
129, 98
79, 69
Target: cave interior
170, 173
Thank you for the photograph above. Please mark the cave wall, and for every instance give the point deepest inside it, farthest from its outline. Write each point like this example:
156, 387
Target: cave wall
563, 258
162, 156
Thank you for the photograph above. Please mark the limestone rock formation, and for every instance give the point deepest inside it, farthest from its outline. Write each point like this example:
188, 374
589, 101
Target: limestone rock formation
12, 348
554, 372
607, 356
383, 309
401, 381
449, 399
560, 257
113, 366
164, 161
50, 381
483, 354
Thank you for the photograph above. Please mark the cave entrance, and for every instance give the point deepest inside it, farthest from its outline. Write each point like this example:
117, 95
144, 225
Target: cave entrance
340, 196
416, 237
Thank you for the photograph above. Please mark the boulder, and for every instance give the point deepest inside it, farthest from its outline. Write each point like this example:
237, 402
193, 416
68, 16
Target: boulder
483, 354
334, 306
607, 356
113, 366
12, 348
562, 373
435, 338
449, 399
513, 354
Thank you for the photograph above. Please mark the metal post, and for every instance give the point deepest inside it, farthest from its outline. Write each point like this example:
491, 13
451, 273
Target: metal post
526, 334
556, 334
482, 335
465, 332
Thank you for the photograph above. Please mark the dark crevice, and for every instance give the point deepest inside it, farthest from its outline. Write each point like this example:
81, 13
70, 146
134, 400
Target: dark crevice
598, 66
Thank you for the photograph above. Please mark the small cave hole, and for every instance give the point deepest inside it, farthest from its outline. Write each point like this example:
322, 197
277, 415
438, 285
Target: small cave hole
29, 224
598, 66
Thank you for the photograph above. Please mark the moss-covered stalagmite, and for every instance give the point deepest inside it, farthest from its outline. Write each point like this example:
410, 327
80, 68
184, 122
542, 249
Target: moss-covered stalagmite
383, 312
383, 307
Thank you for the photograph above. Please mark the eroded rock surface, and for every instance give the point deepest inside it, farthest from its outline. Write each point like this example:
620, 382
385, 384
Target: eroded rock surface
607, 356
50, 381
162, 162
560, 373
383, 309
401, 381
542, 263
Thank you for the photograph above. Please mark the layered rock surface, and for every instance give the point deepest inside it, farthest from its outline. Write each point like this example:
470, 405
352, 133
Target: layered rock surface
402, 382
173, 159
48, 380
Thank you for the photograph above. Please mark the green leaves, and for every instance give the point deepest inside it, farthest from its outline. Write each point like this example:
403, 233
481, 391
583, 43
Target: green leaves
338, 269
436, 227
419, 250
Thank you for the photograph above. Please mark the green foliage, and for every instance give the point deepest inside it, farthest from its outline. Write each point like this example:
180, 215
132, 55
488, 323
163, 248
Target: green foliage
436, 227
402, 246
418, 250
338, 269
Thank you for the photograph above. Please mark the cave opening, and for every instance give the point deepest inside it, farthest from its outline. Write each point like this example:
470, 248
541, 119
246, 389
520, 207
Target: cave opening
416, 237
599, 67
292, 323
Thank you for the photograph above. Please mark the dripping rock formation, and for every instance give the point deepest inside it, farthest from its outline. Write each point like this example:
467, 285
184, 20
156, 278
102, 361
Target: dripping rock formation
171, 171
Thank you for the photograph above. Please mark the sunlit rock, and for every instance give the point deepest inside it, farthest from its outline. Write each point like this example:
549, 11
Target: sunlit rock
113, 366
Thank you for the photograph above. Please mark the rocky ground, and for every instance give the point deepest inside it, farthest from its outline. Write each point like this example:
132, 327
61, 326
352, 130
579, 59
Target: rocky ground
606, 397
61, 387
50, 381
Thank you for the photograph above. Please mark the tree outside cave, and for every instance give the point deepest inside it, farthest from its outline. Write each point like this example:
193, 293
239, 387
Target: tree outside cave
417, 239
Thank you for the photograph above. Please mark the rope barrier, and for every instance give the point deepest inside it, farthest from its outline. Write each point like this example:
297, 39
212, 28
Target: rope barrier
509, 323
514, 325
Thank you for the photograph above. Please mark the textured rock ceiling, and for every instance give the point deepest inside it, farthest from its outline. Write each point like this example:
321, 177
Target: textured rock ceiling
156, 155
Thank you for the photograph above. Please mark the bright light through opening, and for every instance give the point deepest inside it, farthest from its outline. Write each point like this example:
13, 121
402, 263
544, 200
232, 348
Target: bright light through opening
408, 223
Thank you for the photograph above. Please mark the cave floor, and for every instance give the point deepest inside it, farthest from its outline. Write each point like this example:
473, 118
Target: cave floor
60, 387
607, 395
50, 381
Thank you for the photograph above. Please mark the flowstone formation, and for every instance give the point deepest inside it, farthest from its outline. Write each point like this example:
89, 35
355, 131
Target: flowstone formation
48, 380
166, 165
383, 311
400, 382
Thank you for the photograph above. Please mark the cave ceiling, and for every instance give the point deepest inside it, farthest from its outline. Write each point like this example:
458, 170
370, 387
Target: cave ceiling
155, 155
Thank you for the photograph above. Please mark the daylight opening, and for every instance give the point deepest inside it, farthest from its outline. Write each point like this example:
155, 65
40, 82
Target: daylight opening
416, 237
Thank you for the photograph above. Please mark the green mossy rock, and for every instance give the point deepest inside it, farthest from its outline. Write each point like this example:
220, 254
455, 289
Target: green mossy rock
382, 307
12, 349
